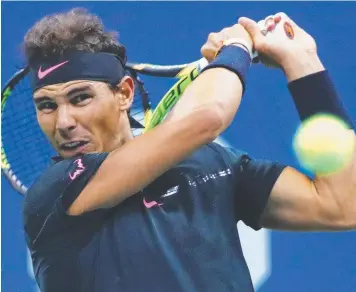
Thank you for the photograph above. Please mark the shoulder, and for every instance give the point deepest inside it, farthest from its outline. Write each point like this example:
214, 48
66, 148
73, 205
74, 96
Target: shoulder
219, 154
56, 189
56, 179
229, 153
217, 149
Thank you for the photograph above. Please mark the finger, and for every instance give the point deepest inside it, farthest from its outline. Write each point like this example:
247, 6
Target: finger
225, 33
261, 25
288, 29
231, 32
282, 16
252, 28
208, 52
269, 23
215, 38
277, 19
212, 46
271, 27
285, 25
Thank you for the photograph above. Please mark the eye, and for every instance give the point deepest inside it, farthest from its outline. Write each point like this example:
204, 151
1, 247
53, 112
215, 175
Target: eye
47, 106
81, 99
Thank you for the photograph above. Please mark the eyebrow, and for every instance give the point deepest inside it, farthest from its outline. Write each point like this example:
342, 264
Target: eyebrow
77, 90
41, 99
69, 94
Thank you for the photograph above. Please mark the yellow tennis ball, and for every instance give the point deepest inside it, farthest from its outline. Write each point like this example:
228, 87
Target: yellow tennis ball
324, 144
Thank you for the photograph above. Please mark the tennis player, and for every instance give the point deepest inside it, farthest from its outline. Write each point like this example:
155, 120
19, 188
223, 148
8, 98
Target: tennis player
159, 212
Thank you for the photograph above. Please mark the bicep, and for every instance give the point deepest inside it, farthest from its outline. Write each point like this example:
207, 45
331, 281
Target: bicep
293, 203
300, 203
296, 203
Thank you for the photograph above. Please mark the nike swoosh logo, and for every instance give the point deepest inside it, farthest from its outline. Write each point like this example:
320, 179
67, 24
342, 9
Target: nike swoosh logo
42, 74
151, 204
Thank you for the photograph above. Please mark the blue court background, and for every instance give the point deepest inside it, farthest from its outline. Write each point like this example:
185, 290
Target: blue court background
164, 33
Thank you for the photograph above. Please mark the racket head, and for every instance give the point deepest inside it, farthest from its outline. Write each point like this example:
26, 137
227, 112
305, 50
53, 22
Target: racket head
23, 144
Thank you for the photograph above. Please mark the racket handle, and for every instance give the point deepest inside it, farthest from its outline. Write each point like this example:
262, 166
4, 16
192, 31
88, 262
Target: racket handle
201, 64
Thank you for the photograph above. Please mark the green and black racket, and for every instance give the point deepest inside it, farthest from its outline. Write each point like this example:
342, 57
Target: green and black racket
25, 151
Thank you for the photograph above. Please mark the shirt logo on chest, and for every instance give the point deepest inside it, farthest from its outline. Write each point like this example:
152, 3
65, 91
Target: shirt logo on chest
170, 192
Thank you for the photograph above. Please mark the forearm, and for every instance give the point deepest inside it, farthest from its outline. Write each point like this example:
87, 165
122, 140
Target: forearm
218, 89
302, 65
314, 92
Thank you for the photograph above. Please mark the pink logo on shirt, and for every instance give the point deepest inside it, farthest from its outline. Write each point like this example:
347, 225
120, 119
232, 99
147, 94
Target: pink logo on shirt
79, 170
151, 204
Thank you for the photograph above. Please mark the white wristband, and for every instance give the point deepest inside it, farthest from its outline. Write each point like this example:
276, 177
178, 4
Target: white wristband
241, 43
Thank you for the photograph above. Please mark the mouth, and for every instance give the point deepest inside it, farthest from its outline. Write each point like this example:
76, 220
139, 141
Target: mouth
73, 146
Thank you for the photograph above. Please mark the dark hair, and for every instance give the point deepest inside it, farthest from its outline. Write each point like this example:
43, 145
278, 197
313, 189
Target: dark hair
76, 29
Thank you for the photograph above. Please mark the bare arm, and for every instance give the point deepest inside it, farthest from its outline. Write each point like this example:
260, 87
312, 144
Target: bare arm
299, 203
296, 202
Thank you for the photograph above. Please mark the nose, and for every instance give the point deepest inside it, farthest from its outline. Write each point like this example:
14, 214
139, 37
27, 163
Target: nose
65, 121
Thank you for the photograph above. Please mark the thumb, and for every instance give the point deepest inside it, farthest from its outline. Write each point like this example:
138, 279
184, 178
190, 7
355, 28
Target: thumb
252, 28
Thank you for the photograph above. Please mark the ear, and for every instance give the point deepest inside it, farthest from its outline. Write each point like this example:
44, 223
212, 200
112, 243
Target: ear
125, 93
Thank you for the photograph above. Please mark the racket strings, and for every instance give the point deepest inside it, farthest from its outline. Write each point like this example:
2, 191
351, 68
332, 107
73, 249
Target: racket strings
26, 147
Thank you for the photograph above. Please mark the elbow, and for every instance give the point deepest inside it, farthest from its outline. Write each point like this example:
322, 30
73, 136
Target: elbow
346, 220
204, 122
340, 218
342, 223
210, 122
219, 118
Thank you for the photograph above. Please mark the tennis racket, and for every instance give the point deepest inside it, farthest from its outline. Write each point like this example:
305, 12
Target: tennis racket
25, 151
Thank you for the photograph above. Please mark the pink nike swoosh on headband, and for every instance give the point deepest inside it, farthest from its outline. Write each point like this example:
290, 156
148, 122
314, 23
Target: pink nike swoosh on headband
42, 74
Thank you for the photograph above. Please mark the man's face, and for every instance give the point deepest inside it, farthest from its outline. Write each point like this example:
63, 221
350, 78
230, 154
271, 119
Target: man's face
84, 116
